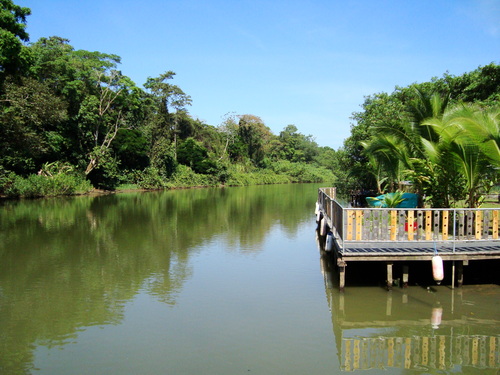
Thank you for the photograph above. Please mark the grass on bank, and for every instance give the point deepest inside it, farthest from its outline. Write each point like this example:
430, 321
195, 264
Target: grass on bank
62, 180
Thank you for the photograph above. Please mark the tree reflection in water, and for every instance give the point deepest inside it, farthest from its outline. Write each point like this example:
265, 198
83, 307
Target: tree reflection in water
71, 263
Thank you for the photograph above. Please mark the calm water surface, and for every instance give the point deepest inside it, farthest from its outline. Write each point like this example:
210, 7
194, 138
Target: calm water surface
216, 281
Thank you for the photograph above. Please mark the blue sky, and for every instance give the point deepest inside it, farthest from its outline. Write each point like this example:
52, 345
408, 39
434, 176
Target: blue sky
307, 63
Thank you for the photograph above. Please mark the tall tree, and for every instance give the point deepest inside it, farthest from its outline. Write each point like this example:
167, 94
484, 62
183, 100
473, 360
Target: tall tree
297, 147
100, 100
102, 114
380, 111
13, 54
166, 97
255, 135
228, 131
29, 117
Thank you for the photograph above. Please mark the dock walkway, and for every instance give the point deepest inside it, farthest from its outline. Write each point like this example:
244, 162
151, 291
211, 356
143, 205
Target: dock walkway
410, 234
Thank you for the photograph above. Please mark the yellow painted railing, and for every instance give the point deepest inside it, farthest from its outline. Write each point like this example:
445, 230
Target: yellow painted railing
383, 224
409, 224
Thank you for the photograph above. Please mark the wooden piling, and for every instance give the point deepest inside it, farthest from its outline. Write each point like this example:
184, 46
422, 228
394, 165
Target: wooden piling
342, 265
405, 277
389, 276
453, 274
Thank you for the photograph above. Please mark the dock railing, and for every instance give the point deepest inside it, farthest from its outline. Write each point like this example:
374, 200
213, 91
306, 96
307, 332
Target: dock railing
415, 225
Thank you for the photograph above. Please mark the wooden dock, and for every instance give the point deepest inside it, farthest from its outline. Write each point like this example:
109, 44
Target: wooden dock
409, 234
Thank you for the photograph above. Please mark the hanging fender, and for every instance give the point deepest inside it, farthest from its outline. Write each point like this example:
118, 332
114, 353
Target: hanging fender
437, 269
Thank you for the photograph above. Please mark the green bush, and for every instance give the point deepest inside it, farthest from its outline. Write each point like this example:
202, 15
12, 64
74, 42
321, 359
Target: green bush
6, 179
107, 174
220, 171
392, 200
184, 176
239, 179
267, 176
35, 186
302, 172
151, 178
258, 177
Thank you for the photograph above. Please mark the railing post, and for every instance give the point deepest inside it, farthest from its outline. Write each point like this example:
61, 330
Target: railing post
331, 214
344, 229
454, 229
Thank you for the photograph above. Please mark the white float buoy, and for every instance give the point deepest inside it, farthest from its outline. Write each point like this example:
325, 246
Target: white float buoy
329, 241
316, 210
437, 269
437, 314
322, 227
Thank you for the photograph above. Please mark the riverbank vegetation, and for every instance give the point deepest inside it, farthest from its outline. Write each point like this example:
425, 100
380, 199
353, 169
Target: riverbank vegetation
72, 122
441, 137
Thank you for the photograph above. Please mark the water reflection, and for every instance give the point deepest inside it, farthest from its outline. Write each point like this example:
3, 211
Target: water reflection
67, 264
414, 328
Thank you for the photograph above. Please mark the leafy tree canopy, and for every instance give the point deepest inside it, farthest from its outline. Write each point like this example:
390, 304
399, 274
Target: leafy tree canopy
13, 55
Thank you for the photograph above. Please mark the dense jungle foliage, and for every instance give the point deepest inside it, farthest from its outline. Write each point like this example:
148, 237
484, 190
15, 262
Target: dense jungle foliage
441, 138
70, 121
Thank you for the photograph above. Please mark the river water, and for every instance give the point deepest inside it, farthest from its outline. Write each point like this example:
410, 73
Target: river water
217, 281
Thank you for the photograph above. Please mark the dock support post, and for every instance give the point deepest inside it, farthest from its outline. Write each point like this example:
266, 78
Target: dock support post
389, 276
460, 273
342, 265
405, 276
453, 275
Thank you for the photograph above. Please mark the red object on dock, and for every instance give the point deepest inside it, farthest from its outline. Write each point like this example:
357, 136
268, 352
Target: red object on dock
415, 225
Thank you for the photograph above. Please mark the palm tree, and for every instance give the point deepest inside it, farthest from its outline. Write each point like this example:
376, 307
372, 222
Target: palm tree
402, 151
389, 159
459, 150
483, 126
449, 152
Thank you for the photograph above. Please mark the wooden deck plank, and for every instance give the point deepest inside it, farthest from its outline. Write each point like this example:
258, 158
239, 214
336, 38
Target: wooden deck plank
495, 224
359, 225
461, 224
486, 224
401, 225
420, 225
393, 225
384, 225
407, 251
410, 225
469, 230
428, 225
350, 224
445, 225
435, 224
479, 224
